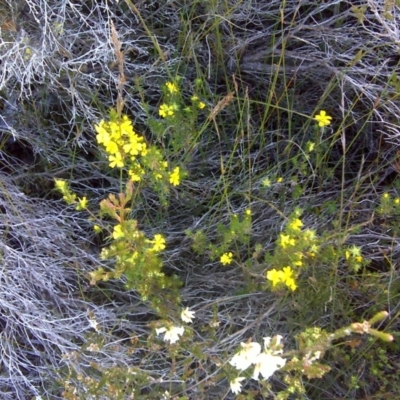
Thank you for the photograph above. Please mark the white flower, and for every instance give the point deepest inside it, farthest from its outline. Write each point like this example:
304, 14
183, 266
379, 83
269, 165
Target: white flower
267, 364
246, 356
187, 315
276, 344
171, 334
94, 324
236, 386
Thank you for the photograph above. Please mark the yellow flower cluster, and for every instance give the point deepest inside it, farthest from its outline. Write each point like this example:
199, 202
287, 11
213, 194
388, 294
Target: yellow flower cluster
296, 244
172, 87
120, 141
195, 99
70, 197
175, 177
285, 276
166, 110
124, 147
389, 205
354, 258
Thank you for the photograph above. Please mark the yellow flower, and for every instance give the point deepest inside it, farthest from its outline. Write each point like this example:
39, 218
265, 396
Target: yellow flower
287, 273
285, 240
274, 276
295, 224
397, 200
158, 243
266, 182
61, 185
82, 204
280, 180
226, 258
201, 105
175, 178
166, 110
309, 234
248, 212
355, 251
118, 233
102, 133
323, 119
97, 228
135, 145
111, 147
172, 87
291, 284
116, 160
310, 147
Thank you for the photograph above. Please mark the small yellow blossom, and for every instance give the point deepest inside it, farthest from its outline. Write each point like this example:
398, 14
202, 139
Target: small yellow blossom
285, 276
172, 87
70, 198
248, 212
355, 251
274, 276
266, 182
310, 146
298, 263
134, 176
323, 119
175, 178
166, 110
295, 224
397, 200
226, 258
280, 180
285, 240
386, 195
288, 279
61, 185
309, 234
97, 228
158, 243
116, 160
118, 232
82, 203
201, 105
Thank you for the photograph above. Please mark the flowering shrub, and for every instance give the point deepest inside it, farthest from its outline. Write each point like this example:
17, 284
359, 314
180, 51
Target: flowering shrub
138, 257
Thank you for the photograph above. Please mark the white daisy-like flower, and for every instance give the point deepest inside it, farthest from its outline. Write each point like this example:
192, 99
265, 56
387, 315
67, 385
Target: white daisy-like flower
187, 315
236, 386
267, 364
246, 356
171, 334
